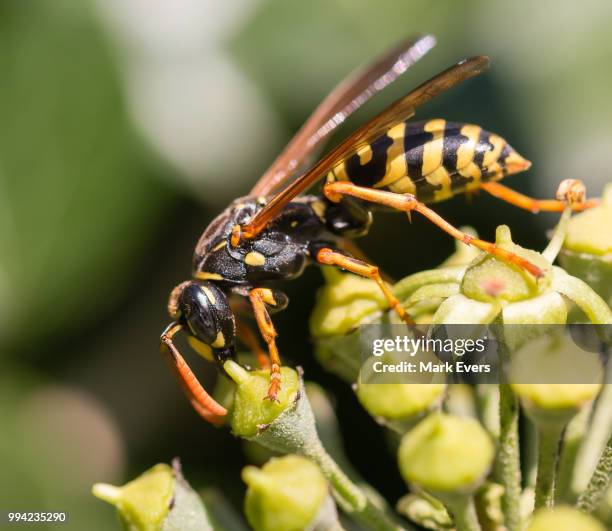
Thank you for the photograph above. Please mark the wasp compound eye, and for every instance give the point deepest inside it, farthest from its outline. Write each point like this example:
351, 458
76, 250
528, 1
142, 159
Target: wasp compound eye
174, 309
205, 310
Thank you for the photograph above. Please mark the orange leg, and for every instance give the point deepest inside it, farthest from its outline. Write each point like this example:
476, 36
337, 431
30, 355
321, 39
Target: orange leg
260, 297
533, 205
355, 251
208, 408
407, 203
328, 256
247, 336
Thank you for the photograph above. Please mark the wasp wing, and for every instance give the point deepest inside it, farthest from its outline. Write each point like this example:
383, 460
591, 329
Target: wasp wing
402, 109
343, 101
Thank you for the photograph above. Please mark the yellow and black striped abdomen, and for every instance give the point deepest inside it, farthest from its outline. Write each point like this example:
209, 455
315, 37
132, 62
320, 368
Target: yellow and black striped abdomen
433, 160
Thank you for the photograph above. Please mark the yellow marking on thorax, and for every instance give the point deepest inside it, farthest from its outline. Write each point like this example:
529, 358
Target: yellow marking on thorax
209, 295
466, 151
433, 150
202, 349
294, 224
205, 275
440, 177
491, 156
219, 341
255, 259
396, 160
219, 246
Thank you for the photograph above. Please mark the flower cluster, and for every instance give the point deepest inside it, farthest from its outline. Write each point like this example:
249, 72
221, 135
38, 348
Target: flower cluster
458, 446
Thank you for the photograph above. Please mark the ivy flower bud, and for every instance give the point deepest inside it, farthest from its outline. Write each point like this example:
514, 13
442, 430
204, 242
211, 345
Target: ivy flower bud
445, 455
399, 401
563, 519
552, 357
343, 303
286, 494
289, 427
489, 279
250, 412
587, 249
551, 407
552, 403
160, 498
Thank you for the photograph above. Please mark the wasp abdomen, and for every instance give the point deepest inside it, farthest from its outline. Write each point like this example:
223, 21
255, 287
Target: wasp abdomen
433, 160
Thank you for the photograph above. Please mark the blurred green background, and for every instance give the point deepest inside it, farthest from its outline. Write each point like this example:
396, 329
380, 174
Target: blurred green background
126, 125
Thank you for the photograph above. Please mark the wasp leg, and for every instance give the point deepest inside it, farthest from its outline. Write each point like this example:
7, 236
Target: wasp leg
408, 202
533, 205
249, 339
261, 298
207, 407
355, 251
327, 256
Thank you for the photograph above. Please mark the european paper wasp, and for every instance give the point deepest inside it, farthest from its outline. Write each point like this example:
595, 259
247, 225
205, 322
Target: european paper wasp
272, 234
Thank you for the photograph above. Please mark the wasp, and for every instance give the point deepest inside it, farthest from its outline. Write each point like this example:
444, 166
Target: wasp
272, 234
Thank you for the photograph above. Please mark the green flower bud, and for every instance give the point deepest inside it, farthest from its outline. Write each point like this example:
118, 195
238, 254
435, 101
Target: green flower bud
587, 250
289, 427
489, 279
286, 494
397, 401
554, 357
551, 407
159, 499
444, 454
563, 519
251, 410
558, 398
588, 231
343, 303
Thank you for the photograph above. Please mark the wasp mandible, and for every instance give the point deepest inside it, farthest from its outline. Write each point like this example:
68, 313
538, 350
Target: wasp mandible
272, 234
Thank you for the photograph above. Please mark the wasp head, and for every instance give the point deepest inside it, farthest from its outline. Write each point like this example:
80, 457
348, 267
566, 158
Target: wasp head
204, 311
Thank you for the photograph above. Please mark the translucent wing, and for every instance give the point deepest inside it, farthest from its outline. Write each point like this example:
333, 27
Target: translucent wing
401, 110
344, 100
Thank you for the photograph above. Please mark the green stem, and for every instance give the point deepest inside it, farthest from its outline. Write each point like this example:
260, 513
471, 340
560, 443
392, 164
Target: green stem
529, 454
572, 440
548, 446
593, 306
350, 497
508, 458
590, 499
556, 242
509, 471
487, 403
464, 513
594, 441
